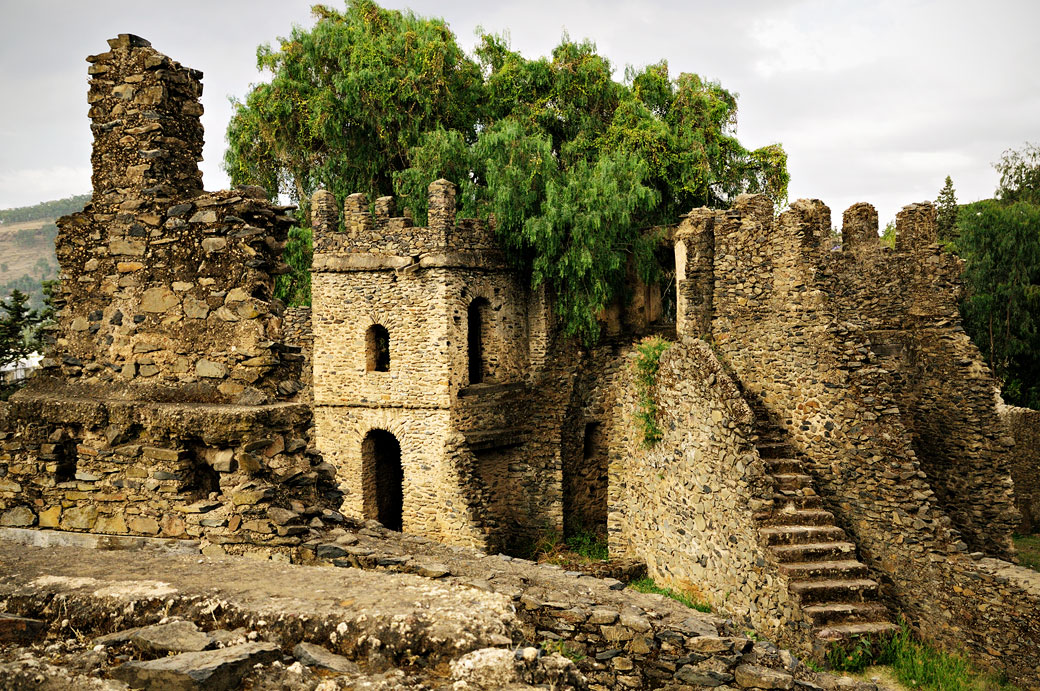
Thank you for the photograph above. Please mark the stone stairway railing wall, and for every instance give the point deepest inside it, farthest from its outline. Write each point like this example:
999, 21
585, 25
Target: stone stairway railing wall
705, 482
774, 324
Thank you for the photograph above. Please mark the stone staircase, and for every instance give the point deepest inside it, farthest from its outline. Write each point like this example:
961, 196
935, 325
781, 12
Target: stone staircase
833, 587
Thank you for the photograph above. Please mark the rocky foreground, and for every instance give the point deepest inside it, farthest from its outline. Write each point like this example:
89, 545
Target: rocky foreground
393, 612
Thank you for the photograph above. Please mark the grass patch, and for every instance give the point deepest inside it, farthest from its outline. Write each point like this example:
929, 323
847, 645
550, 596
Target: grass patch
647, 585
915, 664
1028, 547
650, 351
582, 546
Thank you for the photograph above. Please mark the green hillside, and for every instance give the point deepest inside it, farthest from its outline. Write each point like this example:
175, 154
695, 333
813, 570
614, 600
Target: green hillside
27, 245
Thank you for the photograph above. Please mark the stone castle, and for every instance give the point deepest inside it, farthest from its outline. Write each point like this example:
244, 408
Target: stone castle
833, 455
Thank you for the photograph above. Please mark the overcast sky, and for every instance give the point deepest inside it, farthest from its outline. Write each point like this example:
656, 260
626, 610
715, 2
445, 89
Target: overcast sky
873, 101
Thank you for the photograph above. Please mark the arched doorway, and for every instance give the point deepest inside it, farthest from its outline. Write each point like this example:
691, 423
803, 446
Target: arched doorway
383, 478
476, 317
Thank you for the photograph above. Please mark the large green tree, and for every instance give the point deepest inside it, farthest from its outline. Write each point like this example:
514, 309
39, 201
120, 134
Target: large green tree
999, 240
574, 166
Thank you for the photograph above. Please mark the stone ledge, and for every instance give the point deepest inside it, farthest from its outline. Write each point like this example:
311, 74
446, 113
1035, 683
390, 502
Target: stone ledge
59, 538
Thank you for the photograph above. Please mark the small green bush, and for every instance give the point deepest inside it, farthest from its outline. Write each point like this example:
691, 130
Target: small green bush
914, 663
650, 351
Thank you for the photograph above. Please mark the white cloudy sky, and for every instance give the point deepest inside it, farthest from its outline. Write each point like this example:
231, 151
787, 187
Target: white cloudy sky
873, 100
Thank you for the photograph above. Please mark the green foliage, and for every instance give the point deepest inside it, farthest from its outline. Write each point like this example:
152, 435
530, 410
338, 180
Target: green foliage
17, 328
914, 663
1028, 547
294, 288
1000, 244
647, 364
647, 585
551, 547
888, 235
588, 545
946, 213
347, 99
1019, 175
562, 647
44, 210
569, 163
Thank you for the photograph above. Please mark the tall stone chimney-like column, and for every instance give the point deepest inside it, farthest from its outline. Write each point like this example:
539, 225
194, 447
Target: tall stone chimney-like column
145, 114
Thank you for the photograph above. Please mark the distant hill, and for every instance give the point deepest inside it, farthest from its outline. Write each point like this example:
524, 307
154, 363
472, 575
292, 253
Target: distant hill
27, 245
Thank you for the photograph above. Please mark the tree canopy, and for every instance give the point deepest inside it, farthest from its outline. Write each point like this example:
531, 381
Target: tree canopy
999, 239
573, 165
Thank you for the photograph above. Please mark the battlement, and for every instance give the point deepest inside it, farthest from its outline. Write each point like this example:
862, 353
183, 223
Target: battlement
373, 229
147, 132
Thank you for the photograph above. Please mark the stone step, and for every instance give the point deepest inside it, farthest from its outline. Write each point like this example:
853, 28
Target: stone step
801, 517
801, 534
839, 632
793, 502
834, 590
831, 613
784, 466
816, 551
773, 449
836, 569
792, 481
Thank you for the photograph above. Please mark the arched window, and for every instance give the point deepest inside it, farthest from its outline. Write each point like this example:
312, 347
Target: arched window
476, 323
382, 479
377, 349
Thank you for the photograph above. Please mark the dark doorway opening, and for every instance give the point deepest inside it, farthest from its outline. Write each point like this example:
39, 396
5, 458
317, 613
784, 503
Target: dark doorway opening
383, 479
476, 318
585, 485
377, 349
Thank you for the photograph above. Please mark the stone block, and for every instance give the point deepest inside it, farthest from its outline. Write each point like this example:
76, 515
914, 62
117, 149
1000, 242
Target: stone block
214, 670
79, 518
18, 517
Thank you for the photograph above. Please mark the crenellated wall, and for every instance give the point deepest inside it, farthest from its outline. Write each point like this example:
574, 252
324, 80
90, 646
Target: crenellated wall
798, 326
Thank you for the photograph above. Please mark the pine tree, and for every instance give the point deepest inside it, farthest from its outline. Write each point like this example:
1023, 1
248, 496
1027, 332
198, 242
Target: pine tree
946, 217
17, 328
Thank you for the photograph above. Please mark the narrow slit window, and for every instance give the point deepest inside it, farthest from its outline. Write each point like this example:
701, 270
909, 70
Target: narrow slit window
377, 347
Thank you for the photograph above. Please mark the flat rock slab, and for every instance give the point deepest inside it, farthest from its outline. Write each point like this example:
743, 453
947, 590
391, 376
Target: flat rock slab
214, 670
170, 637
20, 629
359, 612
316, 656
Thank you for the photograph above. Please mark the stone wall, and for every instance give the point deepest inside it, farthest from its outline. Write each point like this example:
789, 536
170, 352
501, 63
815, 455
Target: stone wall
706, 483
1023, 426
296, 331
905, 303
778, 324
169, 403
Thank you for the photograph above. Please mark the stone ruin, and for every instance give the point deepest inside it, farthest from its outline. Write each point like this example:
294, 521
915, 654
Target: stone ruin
833, 455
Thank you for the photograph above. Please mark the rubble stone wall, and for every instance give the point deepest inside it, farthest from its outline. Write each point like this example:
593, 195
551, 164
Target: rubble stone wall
775, 325
169, 403
706, 482
905, 302
1023, 426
